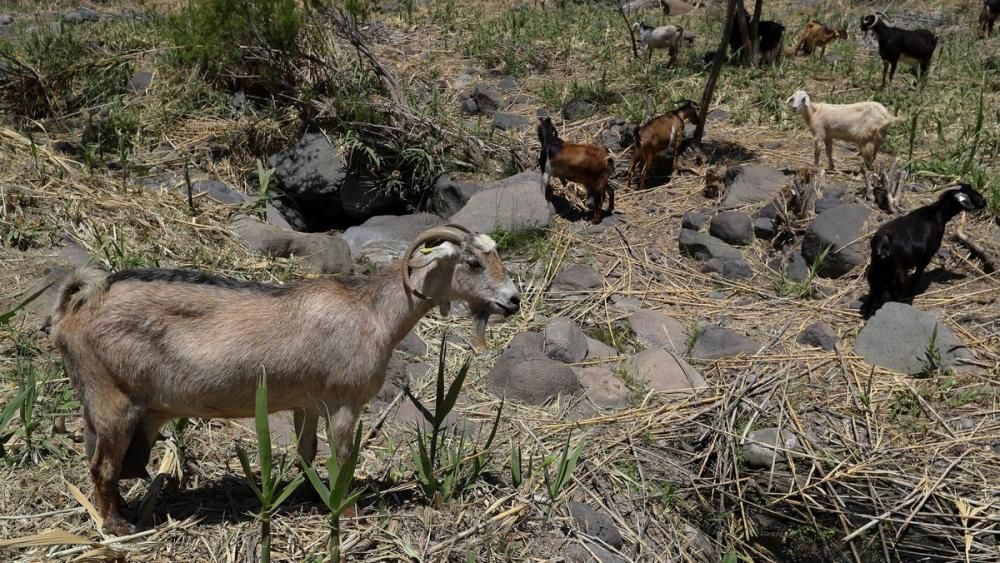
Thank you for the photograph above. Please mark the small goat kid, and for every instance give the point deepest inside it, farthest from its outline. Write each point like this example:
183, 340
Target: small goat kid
664, 37
143, 347
911, 46
863, 124
816, 35
659, 133
910, 242
589, 165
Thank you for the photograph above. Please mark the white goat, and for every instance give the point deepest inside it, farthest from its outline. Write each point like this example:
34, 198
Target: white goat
145, 346
664, 37
863, 124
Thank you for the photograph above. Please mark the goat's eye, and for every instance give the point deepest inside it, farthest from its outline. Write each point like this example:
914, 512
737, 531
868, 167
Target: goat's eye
473, 263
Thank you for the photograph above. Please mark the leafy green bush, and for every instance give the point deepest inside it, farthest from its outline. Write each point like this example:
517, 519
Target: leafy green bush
230, 39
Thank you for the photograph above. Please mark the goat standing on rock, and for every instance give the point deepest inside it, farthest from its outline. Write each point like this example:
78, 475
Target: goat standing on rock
911, 46
863, 124
589, 165
143, 347
657, 135
909, 242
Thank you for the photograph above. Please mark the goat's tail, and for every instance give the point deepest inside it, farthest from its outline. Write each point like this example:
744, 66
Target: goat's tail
82, 286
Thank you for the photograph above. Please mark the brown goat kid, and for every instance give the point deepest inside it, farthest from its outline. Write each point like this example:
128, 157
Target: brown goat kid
143, 347
816, 35
659, 133
589, 165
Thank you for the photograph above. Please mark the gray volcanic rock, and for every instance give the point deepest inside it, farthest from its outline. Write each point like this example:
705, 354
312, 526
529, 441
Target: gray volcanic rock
837, 230
897, 337
514, 203
714, 343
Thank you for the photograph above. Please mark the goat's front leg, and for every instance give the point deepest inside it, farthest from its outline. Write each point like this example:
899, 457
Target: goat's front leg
305, 422
917, 273
343, 422
885, 70
546, 186
817, 147
892, 70
829, 151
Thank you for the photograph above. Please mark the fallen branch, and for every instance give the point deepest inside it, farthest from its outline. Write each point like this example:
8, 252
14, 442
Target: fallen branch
990, 263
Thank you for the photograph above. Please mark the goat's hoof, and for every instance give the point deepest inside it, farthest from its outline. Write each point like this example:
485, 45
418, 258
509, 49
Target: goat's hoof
118, 526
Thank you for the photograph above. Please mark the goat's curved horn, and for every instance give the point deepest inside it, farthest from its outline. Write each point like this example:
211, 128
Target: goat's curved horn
448, 233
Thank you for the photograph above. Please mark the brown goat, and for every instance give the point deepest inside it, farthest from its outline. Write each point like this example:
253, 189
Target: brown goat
589, 165
143, 347
657, 135
816, 35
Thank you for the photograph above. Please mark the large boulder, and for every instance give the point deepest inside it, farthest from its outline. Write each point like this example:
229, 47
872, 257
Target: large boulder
751, 183
396, 228
732, 227
577, 278
564, 341
514, 203
837, 231
656, 330
320, 253
312, 168
532, 380
595, 524
602, 387
818, 335
703, 246
450, 196
714, 343
664, 371
898, 337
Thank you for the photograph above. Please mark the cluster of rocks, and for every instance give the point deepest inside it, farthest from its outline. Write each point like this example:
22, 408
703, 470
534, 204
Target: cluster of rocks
833, 236
488, 100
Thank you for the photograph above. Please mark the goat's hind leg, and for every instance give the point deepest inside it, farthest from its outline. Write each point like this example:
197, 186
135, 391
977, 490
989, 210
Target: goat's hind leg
115, 423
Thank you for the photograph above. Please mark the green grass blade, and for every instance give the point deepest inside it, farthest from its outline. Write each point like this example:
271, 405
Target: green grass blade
288, 490
318, 485
452, 397
263, 436
248, 471
8, 315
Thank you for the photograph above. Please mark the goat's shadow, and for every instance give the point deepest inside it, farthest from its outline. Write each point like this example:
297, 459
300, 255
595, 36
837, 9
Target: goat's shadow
938, 275
228, 500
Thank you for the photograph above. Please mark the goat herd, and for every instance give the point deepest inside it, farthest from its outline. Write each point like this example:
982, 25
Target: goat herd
144, 346
904, 244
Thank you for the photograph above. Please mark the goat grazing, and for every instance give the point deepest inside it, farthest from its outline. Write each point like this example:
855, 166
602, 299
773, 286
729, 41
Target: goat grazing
769, 33
816, 35
667, 37
589, 165
911, 46
863, 124
909, 242
659, 133
987, 17
145, 346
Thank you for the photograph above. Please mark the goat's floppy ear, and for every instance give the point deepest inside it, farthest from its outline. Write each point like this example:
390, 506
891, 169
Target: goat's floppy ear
964, 200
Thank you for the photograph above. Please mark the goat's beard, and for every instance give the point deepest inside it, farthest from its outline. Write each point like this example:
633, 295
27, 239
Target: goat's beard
480, 316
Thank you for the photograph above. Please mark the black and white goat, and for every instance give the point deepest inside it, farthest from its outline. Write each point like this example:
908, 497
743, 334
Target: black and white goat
911, 46
770, 33
909, 242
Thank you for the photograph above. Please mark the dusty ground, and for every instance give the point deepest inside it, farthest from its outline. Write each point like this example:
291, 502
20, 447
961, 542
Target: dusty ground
891, 452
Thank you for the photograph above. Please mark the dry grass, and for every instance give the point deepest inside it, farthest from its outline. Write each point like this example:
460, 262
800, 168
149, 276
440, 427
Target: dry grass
904, 468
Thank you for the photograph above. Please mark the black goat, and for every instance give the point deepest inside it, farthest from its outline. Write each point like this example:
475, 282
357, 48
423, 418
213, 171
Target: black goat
987, 17
770, 34
909, 242
912, 46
